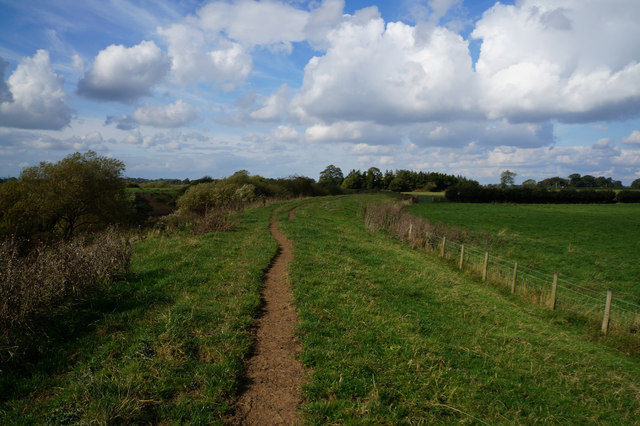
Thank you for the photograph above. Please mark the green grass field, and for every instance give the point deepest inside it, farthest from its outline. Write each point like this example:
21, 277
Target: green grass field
168, 344
592, 245
389, 335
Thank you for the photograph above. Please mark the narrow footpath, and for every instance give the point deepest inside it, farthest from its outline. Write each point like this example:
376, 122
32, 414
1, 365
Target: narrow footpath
274, 375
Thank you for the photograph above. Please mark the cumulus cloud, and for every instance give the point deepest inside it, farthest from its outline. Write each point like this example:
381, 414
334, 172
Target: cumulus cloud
215, 44
124, 74
353, 132
285, 133
173, 140
499, 133
122, 122
632, 139
33, 97
198, 56
173, 115
565, 60
274, 106
18, 140
388, 74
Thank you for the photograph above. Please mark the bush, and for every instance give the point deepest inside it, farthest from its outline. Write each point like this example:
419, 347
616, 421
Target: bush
79, 193
36, 284
478, 194
627, 196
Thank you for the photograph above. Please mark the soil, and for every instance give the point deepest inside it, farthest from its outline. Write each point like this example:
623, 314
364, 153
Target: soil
274, 375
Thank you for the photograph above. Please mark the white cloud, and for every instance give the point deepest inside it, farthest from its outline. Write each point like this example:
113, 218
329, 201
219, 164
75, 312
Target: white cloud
391, 74
124, 74
173, 115
354, 132
566, 60
33, 97
633, 138
215, 45
14, 141
253, 23
274, 106
285, 133
198, 56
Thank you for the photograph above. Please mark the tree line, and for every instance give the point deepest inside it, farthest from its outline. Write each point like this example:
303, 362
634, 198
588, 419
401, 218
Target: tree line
398, 181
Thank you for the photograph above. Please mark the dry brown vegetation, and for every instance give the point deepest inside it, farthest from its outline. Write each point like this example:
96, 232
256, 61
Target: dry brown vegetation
36, 283
416, 231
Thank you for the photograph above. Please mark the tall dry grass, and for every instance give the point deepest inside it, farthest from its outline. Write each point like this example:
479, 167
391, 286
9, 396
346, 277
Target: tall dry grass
35, 284
416, 231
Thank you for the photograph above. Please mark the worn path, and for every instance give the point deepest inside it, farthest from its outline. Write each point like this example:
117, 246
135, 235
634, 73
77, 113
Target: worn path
274, 375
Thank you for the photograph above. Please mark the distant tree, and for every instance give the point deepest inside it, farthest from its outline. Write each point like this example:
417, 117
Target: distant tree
404, 181
529, 183
354, 180
373, 178
77, 193
507, 178
388, 177
554, 183
331, 176
576, 180
635, 184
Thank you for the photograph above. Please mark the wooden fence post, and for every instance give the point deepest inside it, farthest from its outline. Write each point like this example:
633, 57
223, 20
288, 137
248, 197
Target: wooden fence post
486, 266
515, 277
461, 256
554, 292
410, 230
607, 311
444, 245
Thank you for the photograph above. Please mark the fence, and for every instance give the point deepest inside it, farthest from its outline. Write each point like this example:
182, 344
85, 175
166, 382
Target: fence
608, 309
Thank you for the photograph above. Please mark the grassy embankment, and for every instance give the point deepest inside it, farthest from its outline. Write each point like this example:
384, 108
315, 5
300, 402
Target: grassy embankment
392, 335
592, 245
166, 345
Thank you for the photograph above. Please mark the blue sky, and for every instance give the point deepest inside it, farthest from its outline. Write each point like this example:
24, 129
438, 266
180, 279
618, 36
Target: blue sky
183, 89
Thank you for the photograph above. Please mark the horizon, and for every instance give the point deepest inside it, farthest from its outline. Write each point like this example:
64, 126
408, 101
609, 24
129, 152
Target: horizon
543, 88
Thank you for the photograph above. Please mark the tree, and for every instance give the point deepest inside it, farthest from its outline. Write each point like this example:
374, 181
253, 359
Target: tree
354, 180
507, 178
529, 183
635, 184
331, 176
373, 178
77, 193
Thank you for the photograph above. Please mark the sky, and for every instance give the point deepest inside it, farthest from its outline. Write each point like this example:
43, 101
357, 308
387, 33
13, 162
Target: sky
189, 88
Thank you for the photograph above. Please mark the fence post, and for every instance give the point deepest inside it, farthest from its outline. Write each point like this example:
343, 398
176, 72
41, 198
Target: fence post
410, 230
515, 277
607, 311
554, 291
486, 266
444, 245
461, 256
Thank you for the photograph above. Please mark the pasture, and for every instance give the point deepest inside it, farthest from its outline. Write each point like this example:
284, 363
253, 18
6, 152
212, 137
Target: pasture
594, 245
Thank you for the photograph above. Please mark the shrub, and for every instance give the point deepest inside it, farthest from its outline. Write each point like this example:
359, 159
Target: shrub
78, 193
36, 284
627, 196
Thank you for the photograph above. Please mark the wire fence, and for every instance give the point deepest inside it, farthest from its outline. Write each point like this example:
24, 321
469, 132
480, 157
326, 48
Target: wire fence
611, 310
538, 286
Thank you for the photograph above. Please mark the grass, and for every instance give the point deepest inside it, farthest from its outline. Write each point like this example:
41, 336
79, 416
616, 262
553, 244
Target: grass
391, 335
593, 245
166, 345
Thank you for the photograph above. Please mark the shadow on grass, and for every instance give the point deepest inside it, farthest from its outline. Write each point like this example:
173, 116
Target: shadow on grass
55, 342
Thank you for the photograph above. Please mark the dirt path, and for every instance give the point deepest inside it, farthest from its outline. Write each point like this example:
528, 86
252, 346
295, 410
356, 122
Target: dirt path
274, 375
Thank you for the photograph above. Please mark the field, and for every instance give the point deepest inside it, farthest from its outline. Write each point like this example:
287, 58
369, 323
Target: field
593, 245
389, 335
